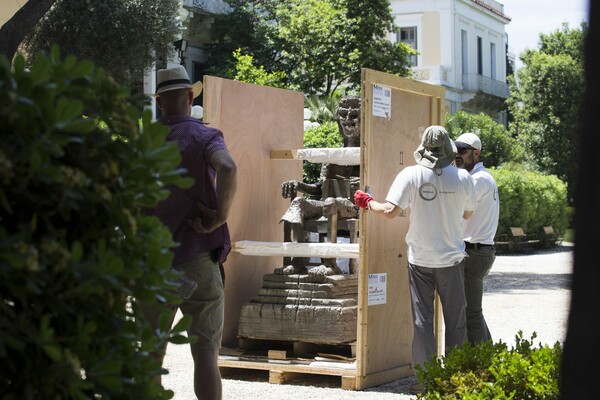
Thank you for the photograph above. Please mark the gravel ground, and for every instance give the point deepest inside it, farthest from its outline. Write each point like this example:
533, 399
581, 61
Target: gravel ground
528, 292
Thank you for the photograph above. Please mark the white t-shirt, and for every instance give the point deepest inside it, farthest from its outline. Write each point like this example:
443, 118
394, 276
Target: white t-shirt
437, 203
482, 226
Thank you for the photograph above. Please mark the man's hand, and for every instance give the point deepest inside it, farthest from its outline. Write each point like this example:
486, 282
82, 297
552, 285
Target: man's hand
362, 199
207, 222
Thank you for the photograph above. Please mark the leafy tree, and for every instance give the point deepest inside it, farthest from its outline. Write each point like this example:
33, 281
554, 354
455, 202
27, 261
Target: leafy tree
124, 37
235, 31
318, 44
316, 50
565, 41
372, 22
14, 30
246, 71
546, 102
77, 167
498, 147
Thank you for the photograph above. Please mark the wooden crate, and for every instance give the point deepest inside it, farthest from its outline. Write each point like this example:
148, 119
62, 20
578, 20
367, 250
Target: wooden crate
259, 123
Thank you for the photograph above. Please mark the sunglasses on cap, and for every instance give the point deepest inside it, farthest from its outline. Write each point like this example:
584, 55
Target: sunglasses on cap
463, 150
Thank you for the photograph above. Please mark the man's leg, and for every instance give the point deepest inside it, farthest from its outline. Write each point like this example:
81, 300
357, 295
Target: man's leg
477, 266
151, 313
207, 377
206, 307
422, 290
451, 288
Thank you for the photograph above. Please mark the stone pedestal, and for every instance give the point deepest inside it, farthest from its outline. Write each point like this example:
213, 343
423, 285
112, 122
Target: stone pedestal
292, 308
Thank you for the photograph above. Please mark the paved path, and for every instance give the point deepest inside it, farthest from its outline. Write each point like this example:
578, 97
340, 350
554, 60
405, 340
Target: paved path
523, 292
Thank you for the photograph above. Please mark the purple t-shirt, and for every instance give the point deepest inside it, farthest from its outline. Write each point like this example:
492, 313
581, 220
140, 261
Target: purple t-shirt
197, 143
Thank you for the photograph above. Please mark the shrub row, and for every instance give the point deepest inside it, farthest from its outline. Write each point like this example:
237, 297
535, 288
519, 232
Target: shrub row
531, 200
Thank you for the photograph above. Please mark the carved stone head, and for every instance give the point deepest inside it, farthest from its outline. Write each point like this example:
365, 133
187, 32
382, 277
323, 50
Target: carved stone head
348, 117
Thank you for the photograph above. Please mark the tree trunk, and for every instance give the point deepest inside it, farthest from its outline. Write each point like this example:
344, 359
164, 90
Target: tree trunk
15, 29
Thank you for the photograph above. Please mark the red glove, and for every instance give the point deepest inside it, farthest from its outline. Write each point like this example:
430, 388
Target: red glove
362, 199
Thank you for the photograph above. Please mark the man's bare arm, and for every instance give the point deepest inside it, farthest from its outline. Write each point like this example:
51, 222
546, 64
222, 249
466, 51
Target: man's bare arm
226, 169
386, 210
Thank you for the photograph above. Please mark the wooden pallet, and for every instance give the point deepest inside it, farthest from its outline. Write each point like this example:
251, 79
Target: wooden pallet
291, 373
292, 363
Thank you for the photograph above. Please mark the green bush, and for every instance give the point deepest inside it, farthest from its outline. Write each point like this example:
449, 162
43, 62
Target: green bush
498, 147
528, 199
322, 136
77, 166
492, 371
531, 200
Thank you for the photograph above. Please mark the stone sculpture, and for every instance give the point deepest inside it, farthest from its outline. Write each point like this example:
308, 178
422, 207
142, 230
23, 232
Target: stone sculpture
334, 191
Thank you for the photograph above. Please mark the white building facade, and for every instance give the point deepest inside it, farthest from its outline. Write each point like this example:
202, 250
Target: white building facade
462, 46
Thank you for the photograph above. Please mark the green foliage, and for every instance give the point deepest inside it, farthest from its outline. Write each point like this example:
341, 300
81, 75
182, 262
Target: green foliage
246, 71
498, 146
528, 198
124, 37
325, 135
314, 40
546, 103
317, 44
323, 108
371, 24
492, 371
531, 200
233, 31
75, 248
569, 42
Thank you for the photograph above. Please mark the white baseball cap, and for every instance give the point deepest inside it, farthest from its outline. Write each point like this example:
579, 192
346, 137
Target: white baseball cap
468, 139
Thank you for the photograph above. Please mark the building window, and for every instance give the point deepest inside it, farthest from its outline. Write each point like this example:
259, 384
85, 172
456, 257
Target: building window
479, 55
493, 60
408, 35
464, 51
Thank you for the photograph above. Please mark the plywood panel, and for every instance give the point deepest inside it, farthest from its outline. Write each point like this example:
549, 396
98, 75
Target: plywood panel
255, 120
388, 144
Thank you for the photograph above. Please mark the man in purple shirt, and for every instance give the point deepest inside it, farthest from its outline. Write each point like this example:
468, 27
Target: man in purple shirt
197, 217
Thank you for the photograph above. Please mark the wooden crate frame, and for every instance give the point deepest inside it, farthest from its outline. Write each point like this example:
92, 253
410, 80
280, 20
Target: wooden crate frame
258, 122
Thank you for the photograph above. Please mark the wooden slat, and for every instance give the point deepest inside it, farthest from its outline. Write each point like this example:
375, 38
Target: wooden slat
293, 249
283, 154
339, 155
301, 368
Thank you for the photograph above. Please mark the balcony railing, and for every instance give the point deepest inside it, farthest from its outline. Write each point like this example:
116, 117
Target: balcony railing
437, 75
479, 83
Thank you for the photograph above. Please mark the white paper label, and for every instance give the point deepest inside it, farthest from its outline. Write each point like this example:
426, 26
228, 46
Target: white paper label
382, 101
377, 289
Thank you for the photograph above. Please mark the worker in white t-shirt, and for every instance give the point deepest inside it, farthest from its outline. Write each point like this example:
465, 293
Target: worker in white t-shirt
439, 196
478, 232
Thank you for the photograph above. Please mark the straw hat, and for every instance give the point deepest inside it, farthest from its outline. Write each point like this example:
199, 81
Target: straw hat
176, 78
